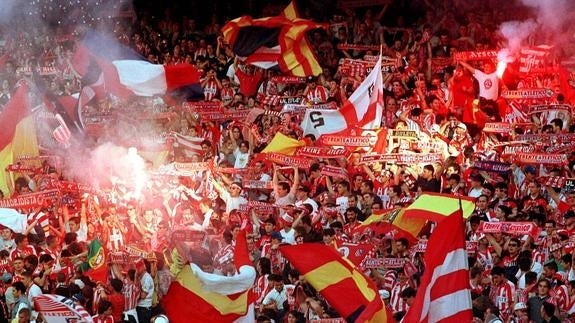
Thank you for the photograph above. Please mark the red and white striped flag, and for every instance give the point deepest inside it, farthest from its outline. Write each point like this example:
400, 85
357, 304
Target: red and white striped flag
444, 294
62, 133
193, 144
532, 58
515, 114
363, 109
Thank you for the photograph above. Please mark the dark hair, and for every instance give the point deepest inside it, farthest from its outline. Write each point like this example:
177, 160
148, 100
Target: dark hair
19, 286
408, 292
265, 265
117, 285
551, 265
70, 237
497, 270
275, 278
103, 306
45, 258
19, 237
548, 308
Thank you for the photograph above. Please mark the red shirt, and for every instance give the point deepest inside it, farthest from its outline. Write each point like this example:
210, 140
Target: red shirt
249, 83
118, 305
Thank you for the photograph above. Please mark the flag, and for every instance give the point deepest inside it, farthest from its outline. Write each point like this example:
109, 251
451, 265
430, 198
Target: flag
62, 133
444, 294
363, 109
95, 265
354, 296
533, 58
274, 41
17, 135
283, 144
197, 296
192, 144
435, 207
354, 252
298, 57
60, 309
124, 72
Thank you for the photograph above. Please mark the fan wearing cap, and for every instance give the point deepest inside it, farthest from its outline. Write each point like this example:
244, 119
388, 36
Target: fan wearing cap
231, 197
520, 313
287, 231
302, 197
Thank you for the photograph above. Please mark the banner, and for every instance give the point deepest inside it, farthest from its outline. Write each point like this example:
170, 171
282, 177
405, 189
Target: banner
513, 228
320, 152
497, 127
287, 79
334, 171
512, 150
548, 159
409, 134
492, 166
563, 148
19, 168
357, 47
408, 159
387, 263
527, 94
533, 58
30, 201
258, 206
553, 181
548, 138
475, 55
188, 235
191, 167
539, 108
300, 108
300, 162
347, 141
252, 184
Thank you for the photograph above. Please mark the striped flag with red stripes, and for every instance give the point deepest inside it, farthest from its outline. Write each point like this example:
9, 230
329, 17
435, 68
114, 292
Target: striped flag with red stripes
444, 294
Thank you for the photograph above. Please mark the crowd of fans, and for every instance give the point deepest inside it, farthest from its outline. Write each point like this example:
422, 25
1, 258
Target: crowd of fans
514, 277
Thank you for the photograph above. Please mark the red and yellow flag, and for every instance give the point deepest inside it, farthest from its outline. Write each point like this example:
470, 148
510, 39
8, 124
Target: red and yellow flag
435, 207
277, 40
196, 296
17, 135
353, 295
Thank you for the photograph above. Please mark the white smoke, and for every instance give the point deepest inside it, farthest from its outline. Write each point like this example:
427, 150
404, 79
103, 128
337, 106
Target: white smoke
515, 32
551, 14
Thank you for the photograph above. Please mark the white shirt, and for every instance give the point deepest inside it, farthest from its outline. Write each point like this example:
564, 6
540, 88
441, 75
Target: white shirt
147, 283
288, 236
488, 84
277, 297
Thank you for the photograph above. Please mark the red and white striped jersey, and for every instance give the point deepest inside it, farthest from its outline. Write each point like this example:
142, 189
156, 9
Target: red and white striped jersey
317, 95
261, 288
210, 90
396, 302
29, 250
503, 296
131, 293
561, 296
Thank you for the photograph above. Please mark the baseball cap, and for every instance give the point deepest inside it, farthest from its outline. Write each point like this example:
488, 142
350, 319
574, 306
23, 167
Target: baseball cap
276, 235
530, 169
519, 306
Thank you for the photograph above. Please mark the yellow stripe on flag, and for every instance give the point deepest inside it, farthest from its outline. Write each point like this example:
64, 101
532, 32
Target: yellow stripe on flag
23, 144
221, 303
334, 272
283, 144
440, 204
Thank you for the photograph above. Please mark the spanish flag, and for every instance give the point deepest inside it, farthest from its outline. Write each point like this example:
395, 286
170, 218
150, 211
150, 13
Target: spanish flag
353, 295
435, 207
197, 296
17, 135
